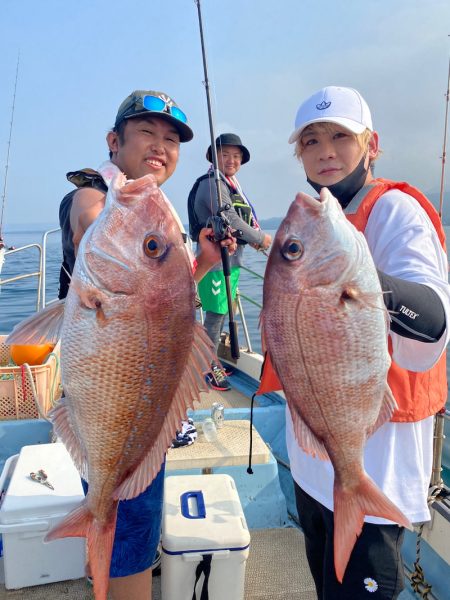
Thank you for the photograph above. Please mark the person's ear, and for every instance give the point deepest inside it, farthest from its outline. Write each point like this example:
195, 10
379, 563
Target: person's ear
112, 139
373, 147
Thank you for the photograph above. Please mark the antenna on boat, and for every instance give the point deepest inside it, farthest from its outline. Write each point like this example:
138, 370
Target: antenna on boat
219, 223
441, 193
8, 151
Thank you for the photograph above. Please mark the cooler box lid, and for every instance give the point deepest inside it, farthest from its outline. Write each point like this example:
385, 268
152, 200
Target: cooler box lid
26, 499
202, 512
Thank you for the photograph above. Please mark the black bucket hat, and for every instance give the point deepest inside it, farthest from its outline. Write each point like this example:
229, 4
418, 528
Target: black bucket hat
230, 139
146, 102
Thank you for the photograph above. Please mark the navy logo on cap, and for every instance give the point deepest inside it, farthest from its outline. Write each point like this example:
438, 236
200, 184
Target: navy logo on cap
323, 105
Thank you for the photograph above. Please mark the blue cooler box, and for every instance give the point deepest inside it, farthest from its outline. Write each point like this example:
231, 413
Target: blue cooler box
205, 539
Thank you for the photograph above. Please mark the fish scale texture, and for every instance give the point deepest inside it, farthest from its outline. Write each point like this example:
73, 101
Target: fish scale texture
127, 385
335, 377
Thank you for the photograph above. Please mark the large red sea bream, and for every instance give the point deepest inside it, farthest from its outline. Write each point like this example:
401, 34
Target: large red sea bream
325, 327
132, 357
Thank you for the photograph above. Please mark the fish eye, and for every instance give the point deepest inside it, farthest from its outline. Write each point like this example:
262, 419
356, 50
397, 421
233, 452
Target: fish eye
154, 247
292, 249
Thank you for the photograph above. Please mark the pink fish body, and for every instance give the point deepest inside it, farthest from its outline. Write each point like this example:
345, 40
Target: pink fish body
325, 328
132, 358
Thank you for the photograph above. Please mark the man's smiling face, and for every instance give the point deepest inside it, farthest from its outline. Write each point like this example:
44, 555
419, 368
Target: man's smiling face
149, 144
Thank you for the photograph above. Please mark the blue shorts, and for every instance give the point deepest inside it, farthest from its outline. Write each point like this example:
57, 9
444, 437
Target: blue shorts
138, 529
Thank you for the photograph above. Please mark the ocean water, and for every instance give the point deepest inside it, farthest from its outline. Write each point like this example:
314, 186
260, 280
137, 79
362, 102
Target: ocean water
18, 299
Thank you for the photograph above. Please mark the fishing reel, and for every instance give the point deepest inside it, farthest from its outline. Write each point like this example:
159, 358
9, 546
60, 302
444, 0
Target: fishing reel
221, 226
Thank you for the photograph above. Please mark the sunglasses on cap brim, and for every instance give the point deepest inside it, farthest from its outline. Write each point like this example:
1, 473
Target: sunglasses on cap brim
155, 104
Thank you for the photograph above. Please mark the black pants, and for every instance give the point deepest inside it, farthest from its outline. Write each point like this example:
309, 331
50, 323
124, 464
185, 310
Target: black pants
375, 563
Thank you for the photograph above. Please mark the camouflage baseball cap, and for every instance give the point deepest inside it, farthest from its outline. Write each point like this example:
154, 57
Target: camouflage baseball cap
144, 102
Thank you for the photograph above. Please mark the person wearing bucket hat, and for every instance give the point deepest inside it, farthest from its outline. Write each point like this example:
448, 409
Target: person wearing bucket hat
335, 140
145, 139
229, 139
202, 204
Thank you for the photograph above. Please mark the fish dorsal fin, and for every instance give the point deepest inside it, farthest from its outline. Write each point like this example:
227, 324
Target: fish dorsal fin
60, 417
306, 439
387, 408
191, 384
42, 327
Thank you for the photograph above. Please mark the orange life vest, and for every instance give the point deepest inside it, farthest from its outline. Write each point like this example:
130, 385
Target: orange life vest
418, 395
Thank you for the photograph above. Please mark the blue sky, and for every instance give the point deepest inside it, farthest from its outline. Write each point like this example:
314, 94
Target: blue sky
79, 59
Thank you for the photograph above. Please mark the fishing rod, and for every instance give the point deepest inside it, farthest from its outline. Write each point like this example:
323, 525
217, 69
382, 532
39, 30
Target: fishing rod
8, 151
441, 193
219, 223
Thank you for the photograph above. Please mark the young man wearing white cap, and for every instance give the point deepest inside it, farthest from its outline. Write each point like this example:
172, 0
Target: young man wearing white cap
337, 145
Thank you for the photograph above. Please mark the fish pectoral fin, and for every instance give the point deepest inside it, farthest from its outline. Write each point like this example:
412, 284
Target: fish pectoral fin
144, 474
42, 327
192, 383
60, 417
306, 438
387, 408
367, 299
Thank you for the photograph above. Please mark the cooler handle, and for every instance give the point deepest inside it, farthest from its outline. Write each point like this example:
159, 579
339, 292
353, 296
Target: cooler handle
200, 503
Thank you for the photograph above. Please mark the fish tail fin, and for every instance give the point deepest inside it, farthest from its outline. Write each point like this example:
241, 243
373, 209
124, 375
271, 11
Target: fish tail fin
350, 508
100, 538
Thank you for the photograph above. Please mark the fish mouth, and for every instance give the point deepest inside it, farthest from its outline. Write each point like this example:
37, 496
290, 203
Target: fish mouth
96, 280
307, 201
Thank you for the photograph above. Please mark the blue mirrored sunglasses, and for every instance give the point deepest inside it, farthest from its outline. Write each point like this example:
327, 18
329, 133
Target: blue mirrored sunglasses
159, 105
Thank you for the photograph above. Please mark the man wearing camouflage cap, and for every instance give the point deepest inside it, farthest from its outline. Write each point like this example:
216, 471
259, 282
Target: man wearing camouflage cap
145, 139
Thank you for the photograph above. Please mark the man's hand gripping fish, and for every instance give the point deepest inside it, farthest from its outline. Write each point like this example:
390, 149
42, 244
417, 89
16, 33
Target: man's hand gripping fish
133, 357
325, 327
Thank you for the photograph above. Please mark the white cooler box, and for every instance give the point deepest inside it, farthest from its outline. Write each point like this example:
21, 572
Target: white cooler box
30, 509
203, 523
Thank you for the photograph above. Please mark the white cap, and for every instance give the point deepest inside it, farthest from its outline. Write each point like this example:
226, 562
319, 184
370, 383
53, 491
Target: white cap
341, 105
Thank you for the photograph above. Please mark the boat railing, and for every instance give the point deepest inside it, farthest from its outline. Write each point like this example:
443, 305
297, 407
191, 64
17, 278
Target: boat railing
240, 295
41, 273
438, 448
38, 274
44, 266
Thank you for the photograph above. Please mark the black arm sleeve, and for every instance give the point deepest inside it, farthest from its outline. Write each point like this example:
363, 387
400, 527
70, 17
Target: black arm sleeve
416, 310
